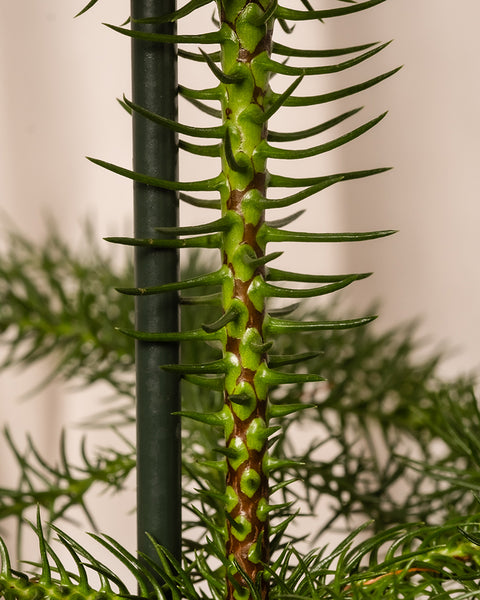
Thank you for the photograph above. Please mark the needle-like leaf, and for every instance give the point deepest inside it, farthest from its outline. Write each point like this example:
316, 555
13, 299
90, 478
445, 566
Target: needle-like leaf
283, 69
273, 152
202, 132
337, 95
213, 37
87, 7
193, 186
187, 9
312, 15
310, 53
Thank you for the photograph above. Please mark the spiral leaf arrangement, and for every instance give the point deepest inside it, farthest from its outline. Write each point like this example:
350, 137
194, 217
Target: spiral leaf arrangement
420, 562
245, 327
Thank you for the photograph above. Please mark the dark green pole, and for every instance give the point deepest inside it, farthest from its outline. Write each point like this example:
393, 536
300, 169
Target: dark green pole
154, 81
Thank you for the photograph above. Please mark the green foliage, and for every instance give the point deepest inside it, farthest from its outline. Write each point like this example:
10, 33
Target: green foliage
246, 480
59, 487
379, 393
418, 562
50, 305
245, 326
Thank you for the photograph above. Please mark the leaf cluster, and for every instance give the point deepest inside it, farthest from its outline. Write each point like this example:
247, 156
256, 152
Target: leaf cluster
52, 306
379, 396
411, 561
59, 487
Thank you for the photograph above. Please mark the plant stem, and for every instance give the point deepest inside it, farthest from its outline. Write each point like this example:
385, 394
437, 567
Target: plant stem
243, 107
154, 80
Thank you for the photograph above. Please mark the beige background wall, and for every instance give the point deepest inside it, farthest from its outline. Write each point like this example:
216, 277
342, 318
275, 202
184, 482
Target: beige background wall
59, 78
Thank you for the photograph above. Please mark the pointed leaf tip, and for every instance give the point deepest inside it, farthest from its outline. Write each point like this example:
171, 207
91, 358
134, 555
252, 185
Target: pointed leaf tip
283, 410
5, 565
213, 419
85, 8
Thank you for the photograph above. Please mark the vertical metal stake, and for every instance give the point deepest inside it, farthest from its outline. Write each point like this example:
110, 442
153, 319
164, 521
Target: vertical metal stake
154, 81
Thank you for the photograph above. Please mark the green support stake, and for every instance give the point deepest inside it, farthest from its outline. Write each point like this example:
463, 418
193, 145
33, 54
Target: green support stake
154, 81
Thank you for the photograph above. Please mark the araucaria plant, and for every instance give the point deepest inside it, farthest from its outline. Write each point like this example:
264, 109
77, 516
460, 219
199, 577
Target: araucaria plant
243, 497
246, 328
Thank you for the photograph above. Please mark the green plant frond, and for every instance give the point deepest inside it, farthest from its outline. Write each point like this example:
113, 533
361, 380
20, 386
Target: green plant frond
285, 220
314, 188
215, 20
50, 306
312, 15
331, 96
430, 559
222, 224
274, 136
308, 53
279, 100
282, 410
213, 419
281, 181
271, 291
179, 336
260, 261
166, 580
283, 153
58, 487
142, 575
15, 585
186, 186
283, 24
209, 279
273, 378
387, 356
87, 7
271, 234
205, 108
212, 37
282, 311
212, 150
230, 315
210, 383
352, 569
187, 9
210, 300
275, 325
203, 94
283, 69
373, 395
211, 368
201, 132
200, 202
215, 56
455, 424
200, 241
279, 275
180, 575
5, 563
46, 573
83, 584
225, 78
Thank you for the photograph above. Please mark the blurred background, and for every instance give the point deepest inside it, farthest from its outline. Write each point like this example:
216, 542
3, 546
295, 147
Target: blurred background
60, 78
